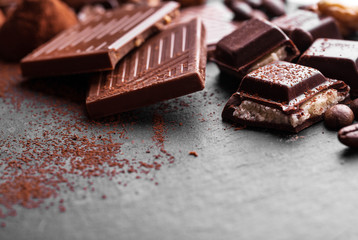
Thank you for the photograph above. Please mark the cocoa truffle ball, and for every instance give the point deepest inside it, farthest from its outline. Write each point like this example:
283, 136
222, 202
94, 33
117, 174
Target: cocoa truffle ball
338, 116
2, 18
31, 24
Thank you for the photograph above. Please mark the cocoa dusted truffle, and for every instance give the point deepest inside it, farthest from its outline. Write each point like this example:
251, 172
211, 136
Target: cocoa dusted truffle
31, 24
2, 18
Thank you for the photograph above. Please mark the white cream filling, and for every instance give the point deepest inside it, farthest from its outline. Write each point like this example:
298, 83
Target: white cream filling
316, 106
279, 54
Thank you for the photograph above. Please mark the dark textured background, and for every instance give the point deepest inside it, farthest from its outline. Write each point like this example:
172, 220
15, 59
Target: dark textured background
244, 184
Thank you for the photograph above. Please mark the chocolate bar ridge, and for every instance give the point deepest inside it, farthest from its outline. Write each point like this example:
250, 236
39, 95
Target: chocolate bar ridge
168, 65
97, 44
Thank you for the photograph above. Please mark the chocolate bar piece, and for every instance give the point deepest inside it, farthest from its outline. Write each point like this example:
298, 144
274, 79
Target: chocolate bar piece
168, 65
303, 27
77, 4
98, 44
284, 96
256, 43
336, 59
190, 3
217, 19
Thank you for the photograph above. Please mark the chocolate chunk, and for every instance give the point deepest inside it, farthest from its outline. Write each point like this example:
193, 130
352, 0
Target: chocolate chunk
303, 27
217, 19
274, 8
31, 24
168, 65
256, 43
242, 10
349, 135
284, 96
189, 3
77, 4
98, 44
336, 59
338, 116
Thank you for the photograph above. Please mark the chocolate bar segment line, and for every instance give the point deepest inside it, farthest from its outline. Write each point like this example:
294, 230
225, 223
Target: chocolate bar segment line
97, 44
168, 65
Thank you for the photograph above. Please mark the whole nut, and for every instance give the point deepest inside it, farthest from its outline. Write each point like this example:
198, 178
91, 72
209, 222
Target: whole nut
338, 116
354, 107
349, 135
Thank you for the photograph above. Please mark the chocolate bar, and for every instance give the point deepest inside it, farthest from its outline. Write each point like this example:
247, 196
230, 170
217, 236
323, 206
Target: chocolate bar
98, 44
168, 65
303, 27
217, 19
190, 3
336, 59
284, 96
256, 43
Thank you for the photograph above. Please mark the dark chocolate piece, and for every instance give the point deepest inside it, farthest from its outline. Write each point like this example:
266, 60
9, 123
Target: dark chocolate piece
217, 19
243, 11
256, 43
98, 44
168, 65
190, 3
303, 27
274, 8
77, 4
336, 59
284, 96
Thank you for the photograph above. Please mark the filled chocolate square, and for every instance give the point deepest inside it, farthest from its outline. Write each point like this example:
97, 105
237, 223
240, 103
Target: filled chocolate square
284, 96
303, 27
256, 43
336, 59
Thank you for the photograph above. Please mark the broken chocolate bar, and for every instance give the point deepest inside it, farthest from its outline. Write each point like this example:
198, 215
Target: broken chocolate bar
98, 44
336, 59
303, 27
217, 19
168, 65
284, 96
256, 43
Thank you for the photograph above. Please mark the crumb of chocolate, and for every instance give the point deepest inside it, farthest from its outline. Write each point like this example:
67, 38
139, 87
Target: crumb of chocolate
193, 153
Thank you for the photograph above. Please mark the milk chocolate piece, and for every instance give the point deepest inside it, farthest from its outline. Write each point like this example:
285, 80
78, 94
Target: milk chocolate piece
336, 59
168, 65
217, 19
256, 43
303, 27
284, 96
98, 44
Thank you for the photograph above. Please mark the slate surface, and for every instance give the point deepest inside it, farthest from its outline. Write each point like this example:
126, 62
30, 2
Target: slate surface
244, 184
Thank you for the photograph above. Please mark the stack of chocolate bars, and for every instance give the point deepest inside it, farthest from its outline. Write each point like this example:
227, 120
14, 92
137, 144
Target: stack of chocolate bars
290, 69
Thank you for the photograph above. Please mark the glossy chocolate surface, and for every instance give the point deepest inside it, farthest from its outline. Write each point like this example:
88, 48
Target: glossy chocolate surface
98, 44
303, 27
336, 59
169, 65
255, 38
